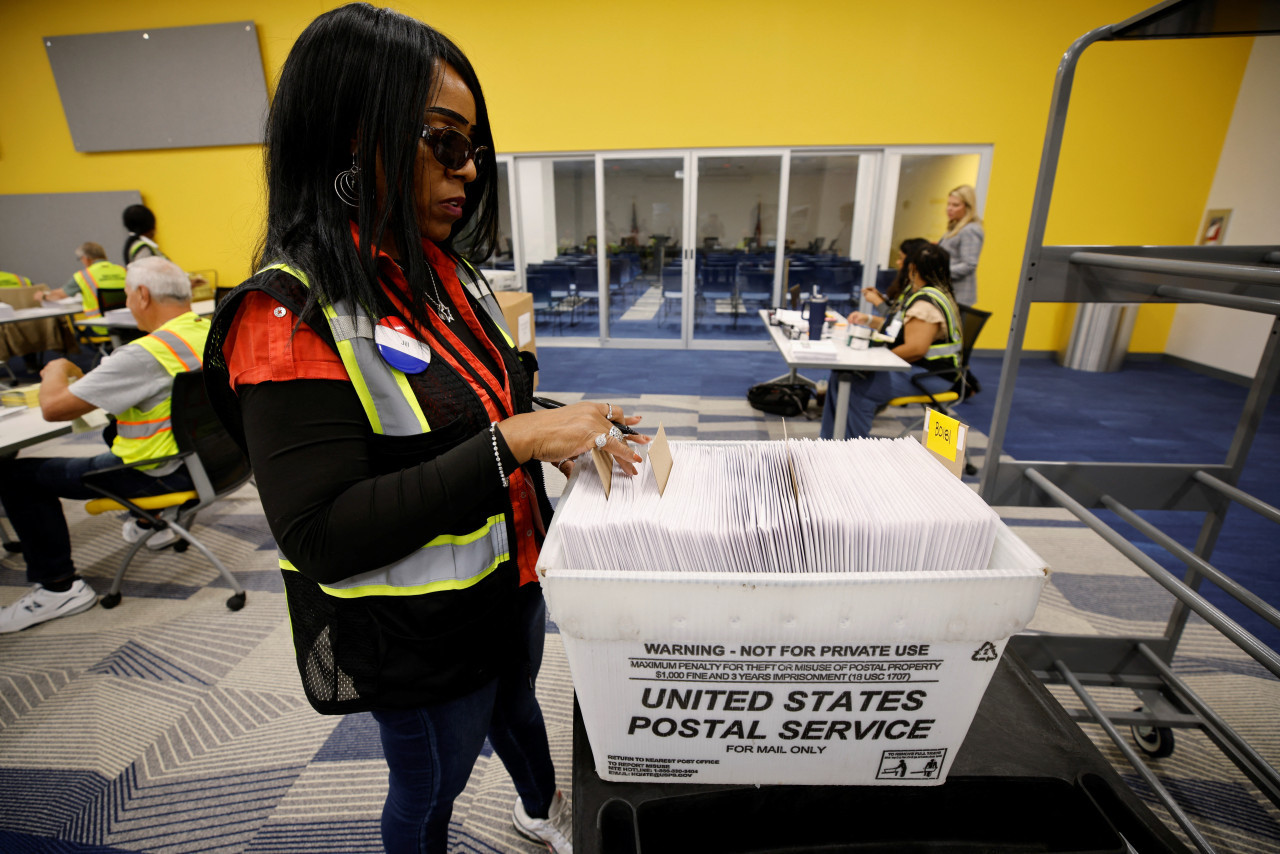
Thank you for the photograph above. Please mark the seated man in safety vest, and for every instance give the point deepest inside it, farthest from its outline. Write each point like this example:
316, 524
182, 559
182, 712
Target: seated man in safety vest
135, 384
98, 275
13, 280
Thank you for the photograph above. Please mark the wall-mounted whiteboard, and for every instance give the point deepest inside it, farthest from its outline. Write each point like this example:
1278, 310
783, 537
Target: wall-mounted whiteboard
42, 230
169, 87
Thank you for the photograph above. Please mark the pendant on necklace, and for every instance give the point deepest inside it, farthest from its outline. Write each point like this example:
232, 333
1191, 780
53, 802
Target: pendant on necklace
446, 313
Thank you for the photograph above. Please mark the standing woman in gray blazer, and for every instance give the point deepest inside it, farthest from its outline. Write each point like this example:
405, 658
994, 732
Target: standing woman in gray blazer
963, 241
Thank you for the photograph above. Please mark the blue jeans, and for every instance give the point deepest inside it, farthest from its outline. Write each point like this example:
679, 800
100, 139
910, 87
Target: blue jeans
31, 486
430, 751
869, 390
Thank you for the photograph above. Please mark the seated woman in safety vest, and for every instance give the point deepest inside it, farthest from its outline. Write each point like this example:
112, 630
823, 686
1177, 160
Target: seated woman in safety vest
926, 333
135, 384
891, 299
387, 414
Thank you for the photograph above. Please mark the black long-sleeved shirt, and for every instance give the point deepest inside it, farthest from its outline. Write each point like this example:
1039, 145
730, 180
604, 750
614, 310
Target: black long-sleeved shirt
331, 510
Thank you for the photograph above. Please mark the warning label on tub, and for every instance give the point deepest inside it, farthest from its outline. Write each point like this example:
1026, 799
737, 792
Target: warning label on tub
911, 764
806, 713
784, 664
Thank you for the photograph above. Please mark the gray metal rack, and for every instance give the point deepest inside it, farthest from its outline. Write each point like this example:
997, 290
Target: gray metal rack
1243, 277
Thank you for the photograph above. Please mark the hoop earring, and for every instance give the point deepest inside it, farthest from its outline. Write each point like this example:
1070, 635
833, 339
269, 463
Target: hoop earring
347, 185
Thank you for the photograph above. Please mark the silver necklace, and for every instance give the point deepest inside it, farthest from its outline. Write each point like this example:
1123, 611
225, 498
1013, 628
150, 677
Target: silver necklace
442, 308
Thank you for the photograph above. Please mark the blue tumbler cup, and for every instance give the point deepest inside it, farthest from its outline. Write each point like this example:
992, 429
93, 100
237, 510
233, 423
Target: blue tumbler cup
817, 316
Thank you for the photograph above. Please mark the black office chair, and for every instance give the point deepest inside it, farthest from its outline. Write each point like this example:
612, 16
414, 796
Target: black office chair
971, 322
217, 468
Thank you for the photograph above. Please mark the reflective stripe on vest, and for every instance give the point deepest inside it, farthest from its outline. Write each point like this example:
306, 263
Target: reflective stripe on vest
148, 434
141, 242
951, 348
470, 278
98, 276
88, 292
447, 562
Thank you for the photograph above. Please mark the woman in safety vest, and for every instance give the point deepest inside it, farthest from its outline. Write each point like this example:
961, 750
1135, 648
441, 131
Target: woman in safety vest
901, 286
388, 418
926, 332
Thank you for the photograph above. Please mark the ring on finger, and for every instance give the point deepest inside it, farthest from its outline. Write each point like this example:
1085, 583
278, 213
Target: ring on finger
608, 416
615, 433
602, 439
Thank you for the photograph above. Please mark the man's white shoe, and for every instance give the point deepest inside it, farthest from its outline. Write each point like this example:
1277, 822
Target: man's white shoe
555, 831
133, 532
41, 605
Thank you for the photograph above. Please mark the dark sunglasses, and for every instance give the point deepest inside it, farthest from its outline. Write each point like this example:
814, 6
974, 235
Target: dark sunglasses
452, 147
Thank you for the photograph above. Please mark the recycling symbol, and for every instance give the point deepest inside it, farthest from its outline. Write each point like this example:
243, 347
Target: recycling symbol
986, 652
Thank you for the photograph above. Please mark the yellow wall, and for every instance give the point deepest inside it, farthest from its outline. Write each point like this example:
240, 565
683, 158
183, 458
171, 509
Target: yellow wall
576, 75
923, 185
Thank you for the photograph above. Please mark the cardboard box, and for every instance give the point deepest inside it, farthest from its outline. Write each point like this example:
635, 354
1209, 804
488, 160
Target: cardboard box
784, 678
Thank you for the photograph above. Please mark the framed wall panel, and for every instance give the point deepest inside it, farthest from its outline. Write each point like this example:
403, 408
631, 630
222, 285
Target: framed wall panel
42, 230
169, 87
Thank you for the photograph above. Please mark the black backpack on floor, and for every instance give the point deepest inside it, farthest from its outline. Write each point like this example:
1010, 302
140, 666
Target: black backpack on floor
785, 399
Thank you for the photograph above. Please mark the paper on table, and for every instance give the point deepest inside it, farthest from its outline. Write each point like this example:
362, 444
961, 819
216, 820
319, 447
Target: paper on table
95, 420
823, 351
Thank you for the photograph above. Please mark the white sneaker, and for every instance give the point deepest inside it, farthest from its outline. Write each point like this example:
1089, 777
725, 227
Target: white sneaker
555, 831
133, 531
40, 605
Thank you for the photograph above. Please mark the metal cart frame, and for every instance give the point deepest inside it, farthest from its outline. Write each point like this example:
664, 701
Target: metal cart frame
1243, 277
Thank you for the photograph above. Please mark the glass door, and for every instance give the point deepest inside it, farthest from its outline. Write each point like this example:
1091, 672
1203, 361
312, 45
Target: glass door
734, 253
557, 244
642, 293
916, 185
825, 245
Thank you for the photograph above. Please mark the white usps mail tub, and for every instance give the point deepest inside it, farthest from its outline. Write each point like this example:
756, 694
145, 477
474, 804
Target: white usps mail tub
869, 678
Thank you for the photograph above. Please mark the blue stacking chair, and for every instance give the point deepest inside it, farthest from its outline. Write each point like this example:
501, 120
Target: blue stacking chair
672, 288
539, 283
755, 283
718, 281
884, 278
845, 279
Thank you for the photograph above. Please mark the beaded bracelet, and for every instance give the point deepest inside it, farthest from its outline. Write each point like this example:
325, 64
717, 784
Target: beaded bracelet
493, 437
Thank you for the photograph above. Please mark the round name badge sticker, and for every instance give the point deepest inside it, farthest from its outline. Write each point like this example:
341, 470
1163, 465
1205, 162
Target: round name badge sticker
399, 348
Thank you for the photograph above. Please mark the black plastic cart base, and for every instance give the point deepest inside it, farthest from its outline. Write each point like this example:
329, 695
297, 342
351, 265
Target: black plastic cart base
1025, 779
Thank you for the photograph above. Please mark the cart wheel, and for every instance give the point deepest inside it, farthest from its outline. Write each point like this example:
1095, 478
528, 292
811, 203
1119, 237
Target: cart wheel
110, 600
1155, 741
236, 602
181, 546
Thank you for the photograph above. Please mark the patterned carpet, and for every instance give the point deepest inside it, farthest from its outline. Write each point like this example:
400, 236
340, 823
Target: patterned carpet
170, 724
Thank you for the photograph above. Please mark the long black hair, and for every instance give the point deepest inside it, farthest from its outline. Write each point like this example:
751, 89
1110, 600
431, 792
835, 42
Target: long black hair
933, 263
902, 282
363, 75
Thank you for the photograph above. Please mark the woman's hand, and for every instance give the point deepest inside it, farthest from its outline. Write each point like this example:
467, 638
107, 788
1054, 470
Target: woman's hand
859, 318
872, 296
555, 435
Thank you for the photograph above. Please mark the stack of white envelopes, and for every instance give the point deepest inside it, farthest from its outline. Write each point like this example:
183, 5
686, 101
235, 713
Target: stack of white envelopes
795, 506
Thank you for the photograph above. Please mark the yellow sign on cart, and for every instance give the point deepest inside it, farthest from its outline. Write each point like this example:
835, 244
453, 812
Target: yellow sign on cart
944, 435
